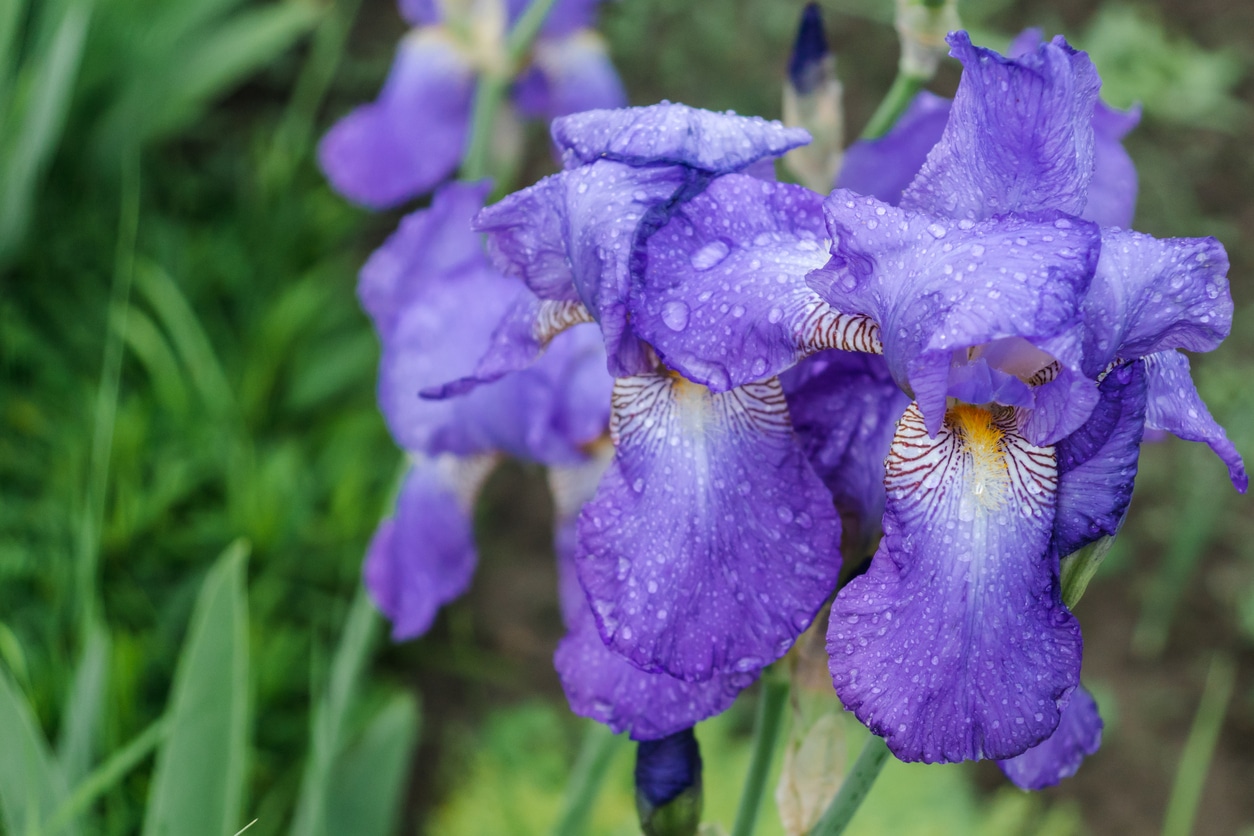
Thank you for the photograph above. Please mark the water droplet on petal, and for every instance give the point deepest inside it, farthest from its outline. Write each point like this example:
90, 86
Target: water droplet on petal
675, 315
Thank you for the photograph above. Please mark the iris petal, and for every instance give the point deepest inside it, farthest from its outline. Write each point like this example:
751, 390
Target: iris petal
1019, 137
723, 297
424, 556
1079, 734
412, 136
883, 167
1175, 406
711, 543
955, 644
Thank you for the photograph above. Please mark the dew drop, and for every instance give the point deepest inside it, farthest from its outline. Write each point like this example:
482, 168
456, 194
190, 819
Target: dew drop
710, 255
675, 315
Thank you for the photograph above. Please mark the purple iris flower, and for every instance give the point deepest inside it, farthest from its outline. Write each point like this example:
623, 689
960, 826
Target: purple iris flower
415, 288
414, 135
1037, 347
710, 542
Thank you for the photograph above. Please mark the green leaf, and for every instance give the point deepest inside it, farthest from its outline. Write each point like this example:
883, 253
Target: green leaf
40, 107
364, 795
84, 708
31, 787
329, 717
198, 784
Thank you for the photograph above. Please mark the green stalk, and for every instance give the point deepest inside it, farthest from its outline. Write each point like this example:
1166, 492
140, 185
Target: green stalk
596, 754
766, 730
895, 103
494, 85
1199, 749
855, 789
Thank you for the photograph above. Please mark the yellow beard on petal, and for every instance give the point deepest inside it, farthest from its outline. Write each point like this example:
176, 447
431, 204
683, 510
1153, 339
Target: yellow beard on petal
982, 440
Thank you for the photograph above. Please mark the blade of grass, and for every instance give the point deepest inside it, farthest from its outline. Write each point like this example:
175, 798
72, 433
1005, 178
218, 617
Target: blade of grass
198, 783
364, 795
330, 716
84, 708
44, 103
31, 787
1199, 749
88, 562
109, 774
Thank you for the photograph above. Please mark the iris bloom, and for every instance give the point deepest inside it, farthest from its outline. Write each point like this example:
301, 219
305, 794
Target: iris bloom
414, 135
415, 289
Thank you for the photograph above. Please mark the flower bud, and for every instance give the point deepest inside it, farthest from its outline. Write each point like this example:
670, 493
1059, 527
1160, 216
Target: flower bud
813, 100
922, 26
668, 785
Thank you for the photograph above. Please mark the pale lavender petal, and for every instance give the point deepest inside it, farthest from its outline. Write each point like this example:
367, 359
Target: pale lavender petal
723, 297
955, 644
673, 135
884, 167
935, 288
1175, 406
1112, 192
604, 686
526, 238
411, 137
844, 408
424, 556
569, 75
1019, 137
429, 244
711, 543
1079, 734
1097, 464
1152, 294
420, 12
1060, 406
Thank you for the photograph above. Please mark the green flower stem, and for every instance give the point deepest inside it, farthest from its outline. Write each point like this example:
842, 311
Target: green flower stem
494, 85
1199, 749
855, 789
766, 730
895, 103
600, 745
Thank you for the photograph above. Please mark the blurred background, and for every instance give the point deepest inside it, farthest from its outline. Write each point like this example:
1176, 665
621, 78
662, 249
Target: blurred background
191, 462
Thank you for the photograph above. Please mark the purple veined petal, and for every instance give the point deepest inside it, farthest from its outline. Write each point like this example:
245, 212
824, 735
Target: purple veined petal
669, 134
711, 543
424, 555
604, 686
1113, 190
955, 644
1097, 464
1174, 405
1059, 406
429, 244
723, 298
1151, 294
938, 287
569, 75
883, 167
1079, 734
844, 409
412, 136
1019, 137
526, 238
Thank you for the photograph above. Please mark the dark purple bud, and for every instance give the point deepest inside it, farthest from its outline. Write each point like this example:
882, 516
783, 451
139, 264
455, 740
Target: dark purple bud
805, 68
668, 785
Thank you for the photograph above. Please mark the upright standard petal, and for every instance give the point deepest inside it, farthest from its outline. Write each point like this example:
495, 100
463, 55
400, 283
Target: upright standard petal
1079, 734
1097, 464
955, 644
939, 289
1152, 294
673, 134
711, 543
723, 297
424, 556
884, 167
1019, 137
1174, 405
844, 408
411, 137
